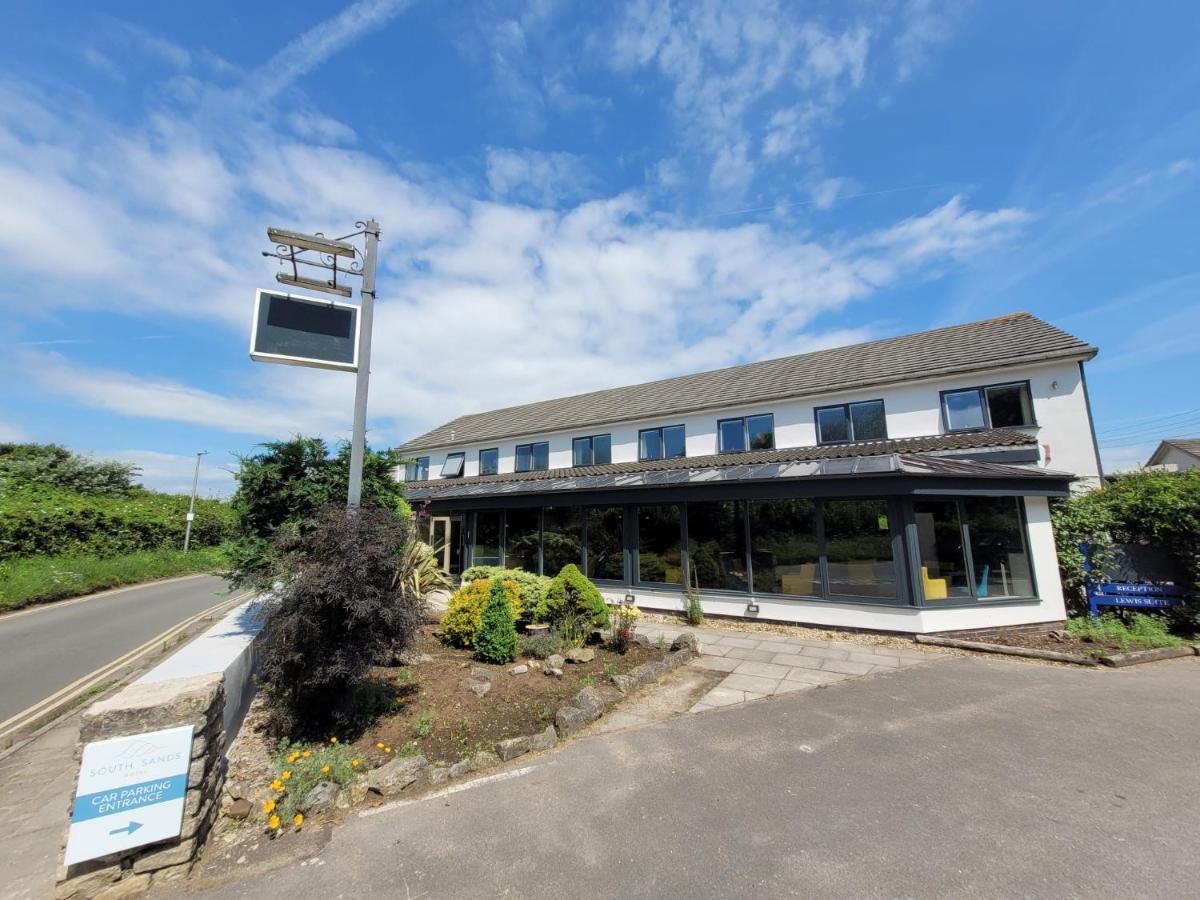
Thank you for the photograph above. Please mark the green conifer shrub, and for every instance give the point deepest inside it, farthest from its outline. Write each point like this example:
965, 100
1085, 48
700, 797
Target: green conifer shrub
496, 641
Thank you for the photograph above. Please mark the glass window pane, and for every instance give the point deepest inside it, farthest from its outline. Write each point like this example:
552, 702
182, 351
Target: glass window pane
422, 468
761, 430
650, 444
489, 462
732, 435
487, 538
602, 449
410, 471
963, 410
606, 543
717, 546
453, 466
660, 559
858, 547
1009, 405
562, 538
867, 421
674, 444
998, 549
939, 541
832, 425
541, 457
581, 451
521, 539
524, 457
783, 547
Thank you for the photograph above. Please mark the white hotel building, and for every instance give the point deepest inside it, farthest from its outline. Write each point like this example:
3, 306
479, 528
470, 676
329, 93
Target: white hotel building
897, 485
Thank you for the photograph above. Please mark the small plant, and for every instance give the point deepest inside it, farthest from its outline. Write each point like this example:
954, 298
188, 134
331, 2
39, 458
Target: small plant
660, 643
299, 767
541, 646
622, 621
544, 714
496, 641
530, 588
695, 612
576, 627
464, 616
1143, 631
610, 670
424, 726
588, 680
419, 572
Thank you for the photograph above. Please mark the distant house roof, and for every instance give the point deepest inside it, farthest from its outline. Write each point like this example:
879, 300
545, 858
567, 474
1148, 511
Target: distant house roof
907, 448
1190, 446
1008, 340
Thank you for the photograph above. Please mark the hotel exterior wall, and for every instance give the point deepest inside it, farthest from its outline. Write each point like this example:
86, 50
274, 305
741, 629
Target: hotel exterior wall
912, 409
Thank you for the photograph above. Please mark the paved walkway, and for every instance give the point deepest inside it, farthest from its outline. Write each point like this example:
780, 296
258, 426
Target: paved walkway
761, 665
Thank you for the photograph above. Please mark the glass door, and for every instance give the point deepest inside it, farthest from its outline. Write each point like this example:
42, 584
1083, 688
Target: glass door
446, 540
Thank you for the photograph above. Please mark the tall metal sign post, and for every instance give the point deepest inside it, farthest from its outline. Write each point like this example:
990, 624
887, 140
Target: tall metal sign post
191, 514
299, 330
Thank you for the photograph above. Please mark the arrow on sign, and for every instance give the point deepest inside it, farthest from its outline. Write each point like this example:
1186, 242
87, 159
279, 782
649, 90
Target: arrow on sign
128, 829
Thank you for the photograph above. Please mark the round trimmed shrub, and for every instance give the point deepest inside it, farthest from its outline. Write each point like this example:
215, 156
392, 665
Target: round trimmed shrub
531, 587
464, 616
572, 594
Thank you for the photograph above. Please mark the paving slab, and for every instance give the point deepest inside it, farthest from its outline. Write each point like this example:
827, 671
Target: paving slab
749, 655
762, 669
752, 683
796, 659
846, 667
717, 663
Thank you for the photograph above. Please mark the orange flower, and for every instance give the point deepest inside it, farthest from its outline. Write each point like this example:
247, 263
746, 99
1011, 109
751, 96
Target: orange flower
306, 754
299, 819
333, 740
379, 746
269, 806
273, 822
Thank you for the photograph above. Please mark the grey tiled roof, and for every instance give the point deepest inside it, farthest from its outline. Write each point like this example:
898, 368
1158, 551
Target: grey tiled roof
975, 440
1007, 340
1187, 445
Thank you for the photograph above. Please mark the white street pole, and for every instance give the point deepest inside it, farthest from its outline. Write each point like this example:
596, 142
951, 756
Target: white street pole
363, 377
191, 514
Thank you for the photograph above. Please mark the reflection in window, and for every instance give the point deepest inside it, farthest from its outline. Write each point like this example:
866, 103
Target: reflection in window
964, 410
487, 538
521, 539
453, 467
858, 547
940, 543
998, 552
659, 545
662, 443
562, 538
533, 457
417, 470
595, 450
489, 461
863, 421
994, 406
783, 547
750, 432
717, 546
605, 543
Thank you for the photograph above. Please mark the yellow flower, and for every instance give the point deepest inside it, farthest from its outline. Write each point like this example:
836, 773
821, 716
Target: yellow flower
354, 763
273, 822
379, 746
269, 806
277, 785
306, 754
333, 740
387, 749
286, 776
299, 819
293, 757
324, 770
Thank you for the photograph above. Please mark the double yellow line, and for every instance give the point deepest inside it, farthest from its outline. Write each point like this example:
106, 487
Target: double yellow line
24, 722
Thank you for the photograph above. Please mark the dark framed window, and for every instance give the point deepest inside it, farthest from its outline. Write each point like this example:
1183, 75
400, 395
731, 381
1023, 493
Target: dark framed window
533, 457
941, 548
669, 442
605, 543
487, 537
660, 544
999, 552
846, 422
417, 470
1008, 405
717, 545
784, 550
453, 466
859, 560
562, 538
489, 461
594, 450
523, 539
746, 433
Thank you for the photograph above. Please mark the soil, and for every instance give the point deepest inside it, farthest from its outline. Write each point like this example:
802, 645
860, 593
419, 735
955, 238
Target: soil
1067, 644
461, 723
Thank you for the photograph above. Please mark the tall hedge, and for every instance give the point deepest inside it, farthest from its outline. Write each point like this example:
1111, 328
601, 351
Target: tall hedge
37, 520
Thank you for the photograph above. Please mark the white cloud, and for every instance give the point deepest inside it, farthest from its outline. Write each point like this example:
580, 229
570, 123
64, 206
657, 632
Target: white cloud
12, 433
923, 25
1124, 458
538, 177
172, 473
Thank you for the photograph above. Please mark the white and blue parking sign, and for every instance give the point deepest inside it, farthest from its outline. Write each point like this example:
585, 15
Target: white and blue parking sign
131, 792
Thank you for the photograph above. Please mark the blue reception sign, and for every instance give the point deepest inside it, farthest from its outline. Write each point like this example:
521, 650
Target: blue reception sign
131, 792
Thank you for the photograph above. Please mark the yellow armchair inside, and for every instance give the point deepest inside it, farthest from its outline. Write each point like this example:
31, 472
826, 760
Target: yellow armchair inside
935, 588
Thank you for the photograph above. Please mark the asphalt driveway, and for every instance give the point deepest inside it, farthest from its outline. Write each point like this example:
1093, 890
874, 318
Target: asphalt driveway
969, 778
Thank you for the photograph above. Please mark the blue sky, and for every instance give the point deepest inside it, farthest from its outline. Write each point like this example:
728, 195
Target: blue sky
579, 195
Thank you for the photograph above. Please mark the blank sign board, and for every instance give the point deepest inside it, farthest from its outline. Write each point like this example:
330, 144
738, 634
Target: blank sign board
304, 331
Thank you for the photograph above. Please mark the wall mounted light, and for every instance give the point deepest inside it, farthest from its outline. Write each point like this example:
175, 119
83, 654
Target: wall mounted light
630, 599
752, 608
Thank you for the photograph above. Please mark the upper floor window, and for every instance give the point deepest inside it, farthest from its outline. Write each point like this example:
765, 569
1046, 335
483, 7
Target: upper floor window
489, 461
746, 433
453, 467
848, 422
992, 406
417, 470
662, 443
533, 457
595, 450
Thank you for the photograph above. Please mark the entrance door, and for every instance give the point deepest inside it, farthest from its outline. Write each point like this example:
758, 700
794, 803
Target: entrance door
446, 540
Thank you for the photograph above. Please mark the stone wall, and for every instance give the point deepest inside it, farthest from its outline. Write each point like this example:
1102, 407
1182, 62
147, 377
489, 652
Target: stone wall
198, 701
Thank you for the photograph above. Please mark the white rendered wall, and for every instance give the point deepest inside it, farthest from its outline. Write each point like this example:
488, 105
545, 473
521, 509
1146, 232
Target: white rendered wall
913, 409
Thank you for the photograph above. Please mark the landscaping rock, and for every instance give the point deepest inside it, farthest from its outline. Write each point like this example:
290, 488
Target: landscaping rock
545, 740
239, 809
686, 640
570, 719
478, 673
484, 759
358, 791
512, 748
320, 798
624, 683
589, 702
460, 768
130, 886
533, 664
554, 661
410, 657
518, 670
395, 776
553, 671
641, 639
439, 774
580, 655
479, 687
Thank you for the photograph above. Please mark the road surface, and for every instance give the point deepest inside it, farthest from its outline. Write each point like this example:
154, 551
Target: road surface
969, 778
49, 647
